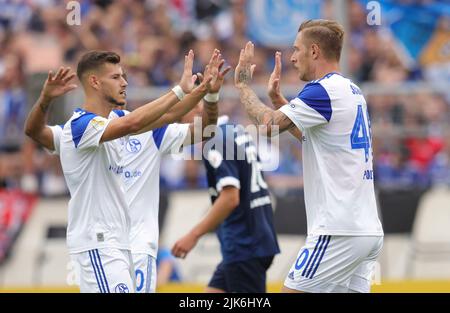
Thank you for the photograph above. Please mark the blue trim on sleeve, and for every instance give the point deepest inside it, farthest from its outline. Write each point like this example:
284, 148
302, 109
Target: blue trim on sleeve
119, 113
158, 135
315, 96
79, 126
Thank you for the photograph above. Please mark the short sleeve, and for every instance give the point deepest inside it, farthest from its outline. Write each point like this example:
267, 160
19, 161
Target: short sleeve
226, 171
312, 107
87, 130
169, 138
57, 131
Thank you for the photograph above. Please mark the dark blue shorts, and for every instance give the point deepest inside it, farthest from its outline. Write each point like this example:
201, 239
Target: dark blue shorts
242, 276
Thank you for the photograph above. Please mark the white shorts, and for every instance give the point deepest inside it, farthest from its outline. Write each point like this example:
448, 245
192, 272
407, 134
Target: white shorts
145, 270
335, 264
104, 270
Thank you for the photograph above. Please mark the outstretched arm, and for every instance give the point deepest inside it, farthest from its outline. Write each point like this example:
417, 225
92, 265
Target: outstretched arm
56, 85
139, 120
210, 110
156, 113
273, 122
227, 201
179, 108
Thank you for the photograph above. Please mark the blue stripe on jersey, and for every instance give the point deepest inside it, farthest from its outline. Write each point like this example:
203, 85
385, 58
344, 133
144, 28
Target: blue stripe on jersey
317, 256
312, 256
62, 126
321, 256
95, 272
315, 96
101, 267
158, 135
79, 126
119, 113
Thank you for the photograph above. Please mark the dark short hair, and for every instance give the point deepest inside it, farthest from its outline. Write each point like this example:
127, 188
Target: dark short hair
328, 35
94, 59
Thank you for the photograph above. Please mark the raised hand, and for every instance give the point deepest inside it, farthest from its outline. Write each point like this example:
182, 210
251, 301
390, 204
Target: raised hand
244, 70
273, 86
58, 84
214, 69
187, 81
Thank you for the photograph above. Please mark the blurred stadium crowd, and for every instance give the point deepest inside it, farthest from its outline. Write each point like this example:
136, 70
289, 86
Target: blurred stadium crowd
410, 131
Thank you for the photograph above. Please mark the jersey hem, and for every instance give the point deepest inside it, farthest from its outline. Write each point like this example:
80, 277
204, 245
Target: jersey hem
147, 252
87, 248
346, 233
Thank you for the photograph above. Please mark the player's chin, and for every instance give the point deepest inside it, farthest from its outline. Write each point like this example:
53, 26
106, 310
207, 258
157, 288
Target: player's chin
121, 102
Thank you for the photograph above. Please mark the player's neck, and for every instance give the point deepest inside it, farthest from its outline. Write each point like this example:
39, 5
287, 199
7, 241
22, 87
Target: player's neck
97, 106
325, 69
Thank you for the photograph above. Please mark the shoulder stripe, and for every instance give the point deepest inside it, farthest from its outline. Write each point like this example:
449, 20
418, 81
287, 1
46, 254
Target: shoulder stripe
79, 126
158, 135
315, 96
119, 113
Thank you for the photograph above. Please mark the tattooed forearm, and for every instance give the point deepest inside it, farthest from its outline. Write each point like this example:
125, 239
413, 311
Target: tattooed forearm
273, 122
43, 103
44, 107
244, 75
197, 130
210, 113
256, 110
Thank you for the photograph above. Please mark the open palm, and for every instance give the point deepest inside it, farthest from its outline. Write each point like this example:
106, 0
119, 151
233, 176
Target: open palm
58, 84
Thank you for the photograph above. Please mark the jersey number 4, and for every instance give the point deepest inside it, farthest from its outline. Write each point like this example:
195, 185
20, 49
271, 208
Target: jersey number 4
361, 134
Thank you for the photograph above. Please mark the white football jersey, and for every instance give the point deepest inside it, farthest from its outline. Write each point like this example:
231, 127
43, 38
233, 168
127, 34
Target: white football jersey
141, 162
337, 157
98, 212
139, 175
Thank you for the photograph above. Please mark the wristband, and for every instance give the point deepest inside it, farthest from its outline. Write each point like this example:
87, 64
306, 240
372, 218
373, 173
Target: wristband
211, 97
178, 92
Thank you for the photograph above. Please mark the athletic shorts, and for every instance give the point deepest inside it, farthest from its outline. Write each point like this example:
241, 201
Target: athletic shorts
335, 264
242, 276
145, 271
106, 270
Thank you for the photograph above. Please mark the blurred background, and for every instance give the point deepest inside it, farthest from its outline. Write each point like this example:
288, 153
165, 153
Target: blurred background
398, 52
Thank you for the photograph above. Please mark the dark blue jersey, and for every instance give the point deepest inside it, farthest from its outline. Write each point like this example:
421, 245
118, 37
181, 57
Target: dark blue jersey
231, 160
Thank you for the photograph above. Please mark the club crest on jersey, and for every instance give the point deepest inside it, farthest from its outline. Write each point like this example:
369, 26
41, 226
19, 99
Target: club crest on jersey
98, 123
134, 145
121, 288
214, 158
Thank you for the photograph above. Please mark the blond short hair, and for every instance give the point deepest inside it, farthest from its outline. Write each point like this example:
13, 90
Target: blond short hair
328, 35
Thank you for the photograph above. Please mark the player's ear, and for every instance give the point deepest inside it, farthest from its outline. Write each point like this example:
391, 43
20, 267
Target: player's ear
315, 51
93, 81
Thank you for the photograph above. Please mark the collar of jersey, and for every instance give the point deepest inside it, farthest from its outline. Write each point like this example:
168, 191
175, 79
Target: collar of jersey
327, 75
